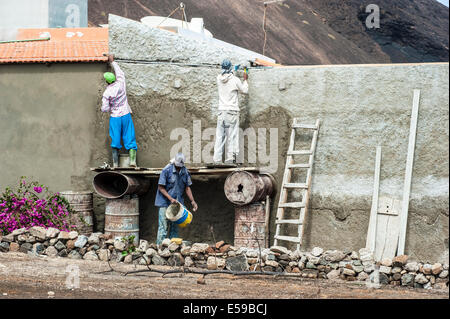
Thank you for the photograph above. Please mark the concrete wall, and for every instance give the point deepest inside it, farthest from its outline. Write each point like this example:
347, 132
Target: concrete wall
50, 123
361, 106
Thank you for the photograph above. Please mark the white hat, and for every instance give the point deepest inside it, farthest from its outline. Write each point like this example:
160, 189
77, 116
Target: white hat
179, 160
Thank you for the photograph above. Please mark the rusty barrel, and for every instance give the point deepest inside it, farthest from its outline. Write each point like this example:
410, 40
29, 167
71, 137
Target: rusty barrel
243, 188
249, 226
122, 217
114, 185
82, 205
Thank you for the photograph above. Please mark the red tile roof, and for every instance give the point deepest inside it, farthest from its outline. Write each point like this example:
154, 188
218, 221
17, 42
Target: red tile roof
65, 45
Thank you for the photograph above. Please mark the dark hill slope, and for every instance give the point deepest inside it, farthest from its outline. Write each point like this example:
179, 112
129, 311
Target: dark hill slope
309, 31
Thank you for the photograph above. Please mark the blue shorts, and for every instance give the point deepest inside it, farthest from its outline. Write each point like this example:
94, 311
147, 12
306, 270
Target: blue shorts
122, 127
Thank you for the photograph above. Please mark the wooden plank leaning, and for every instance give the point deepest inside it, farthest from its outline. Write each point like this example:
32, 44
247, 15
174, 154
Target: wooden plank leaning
372, 230
408, 173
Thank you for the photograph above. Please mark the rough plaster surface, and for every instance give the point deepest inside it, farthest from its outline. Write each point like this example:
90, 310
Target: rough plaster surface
135, 41
361, 106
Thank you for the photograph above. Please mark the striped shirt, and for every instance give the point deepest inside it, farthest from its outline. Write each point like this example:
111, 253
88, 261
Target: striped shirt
115, 96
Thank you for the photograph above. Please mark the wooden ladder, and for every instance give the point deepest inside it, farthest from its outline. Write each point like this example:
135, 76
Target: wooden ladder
303, 187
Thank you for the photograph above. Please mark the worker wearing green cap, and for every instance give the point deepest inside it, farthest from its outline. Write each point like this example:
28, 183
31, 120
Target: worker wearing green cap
120, 122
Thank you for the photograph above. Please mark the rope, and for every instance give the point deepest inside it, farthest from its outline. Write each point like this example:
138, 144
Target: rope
178, 8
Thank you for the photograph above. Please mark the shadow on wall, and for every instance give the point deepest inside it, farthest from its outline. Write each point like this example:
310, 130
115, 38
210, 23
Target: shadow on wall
214, 210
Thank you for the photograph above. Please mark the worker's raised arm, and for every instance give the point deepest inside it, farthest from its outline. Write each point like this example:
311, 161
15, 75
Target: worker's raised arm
242, 87
120, 76
105, 102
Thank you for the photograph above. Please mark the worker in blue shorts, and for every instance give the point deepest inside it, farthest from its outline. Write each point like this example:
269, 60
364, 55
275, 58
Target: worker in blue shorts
120, 122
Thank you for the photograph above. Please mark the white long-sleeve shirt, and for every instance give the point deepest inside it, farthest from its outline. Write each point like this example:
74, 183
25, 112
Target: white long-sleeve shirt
229, 86
115, 96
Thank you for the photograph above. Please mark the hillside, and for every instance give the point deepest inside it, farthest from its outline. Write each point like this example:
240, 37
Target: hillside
310, 31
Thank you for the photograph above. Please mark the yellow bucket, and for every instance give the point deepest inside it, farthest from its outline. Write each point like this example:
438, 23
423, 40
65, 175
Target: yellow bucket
178, 214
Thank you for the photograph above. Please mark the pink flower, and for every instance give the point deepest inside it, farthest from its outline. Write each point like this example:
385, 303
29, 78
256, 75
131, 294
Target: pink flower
38, 189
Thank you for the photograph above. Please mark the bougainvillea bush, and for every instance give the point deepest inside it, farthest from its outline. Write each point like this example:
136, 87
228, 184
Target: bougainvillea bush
33, 205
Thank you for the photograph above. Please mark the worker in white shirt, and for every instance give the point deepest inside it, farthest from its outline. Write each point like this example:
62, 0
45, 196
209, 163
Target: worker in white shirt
227, 131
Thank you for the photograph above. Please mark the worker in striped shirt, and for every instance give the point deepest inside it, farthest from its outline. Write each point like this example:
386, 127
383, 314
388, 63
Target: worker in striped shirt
121, 124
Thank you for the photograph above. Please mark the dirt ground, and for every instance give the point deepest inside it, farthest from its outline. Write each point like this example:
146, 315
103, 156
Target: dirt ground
24, 276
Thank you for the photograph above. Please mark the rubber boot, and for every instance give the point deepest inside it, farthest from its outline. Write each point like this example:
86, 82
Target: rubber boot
132, 158
115, 157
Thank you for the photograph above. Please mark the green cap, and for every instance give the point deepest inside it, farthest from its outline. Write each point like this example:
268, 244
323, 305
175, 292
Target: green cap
109, 77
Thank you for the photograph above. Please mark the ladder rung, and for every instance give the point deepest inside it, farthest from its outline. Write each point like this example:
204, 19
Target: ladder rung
288, 221
298, 166
288, 238
295, 185
308, 126
292, 205
301, 152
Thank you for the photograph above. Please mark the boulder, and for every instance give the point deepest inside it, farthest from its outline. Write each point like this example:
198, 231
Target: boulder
103, 254
73, 235
38, 232
38, 248
366, 254
14, 247
90, 255
25, 247
176, 260
272, 263
199, 248
334, 274
165, 253
52, 232
173, 247
436, 269
19, 231
4, 247
317, 251
387, 262
166, 242
63, 253
94, 238
63, 235
400, 261
120, 245
426, 269
333, 255
188, 262
143, 245
420, 279
412, 267
238, 263
75, 255
59, 245
158, 260
279, 249
151, 252
362, 276
81, 241
51, 251
385, 270
408, 280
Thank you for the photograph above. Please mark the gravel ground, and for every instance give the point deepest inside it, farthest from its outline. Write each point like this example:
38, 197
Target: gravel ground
24, 276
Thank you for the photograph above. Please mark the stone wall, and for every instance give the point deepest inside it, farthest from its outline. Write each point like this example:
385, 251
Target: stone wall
330, 264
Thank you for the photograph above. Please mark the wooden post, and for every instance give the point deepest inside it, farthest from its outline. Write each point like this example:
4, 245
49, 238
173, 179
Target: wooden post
408, 173
372, 230
267, 220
